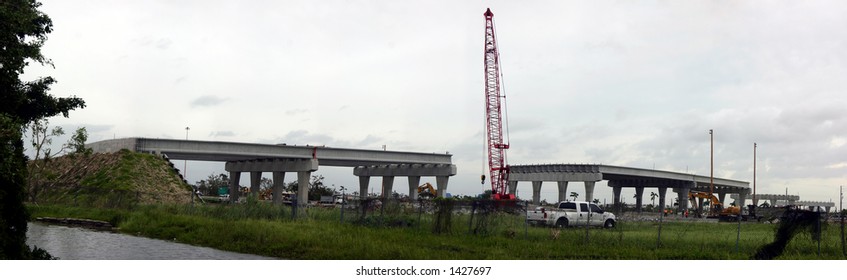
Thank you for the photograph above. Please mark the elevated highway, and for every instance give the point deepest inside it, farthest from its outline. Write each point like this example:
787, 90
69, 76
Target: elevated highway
778, 200
256, 158
619, 177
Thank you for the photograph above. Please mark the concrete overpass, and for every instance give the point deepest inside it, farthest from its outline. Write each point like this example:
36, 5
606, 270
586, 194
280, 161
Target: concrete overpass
773, 199
777, 200
281, 158
620, 177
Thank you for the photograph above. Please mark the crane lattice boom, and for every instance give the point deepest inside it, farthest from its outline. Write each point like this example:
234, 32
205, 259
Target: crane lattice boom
498, 168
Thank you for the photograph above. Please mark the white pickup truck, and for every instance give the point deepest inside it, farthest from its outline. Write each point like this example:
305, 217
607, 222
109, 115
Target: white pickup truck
571, 213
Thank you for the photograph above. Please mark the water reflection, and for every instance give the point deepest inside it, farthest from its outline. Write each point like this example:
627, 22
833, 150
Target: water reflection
70, 243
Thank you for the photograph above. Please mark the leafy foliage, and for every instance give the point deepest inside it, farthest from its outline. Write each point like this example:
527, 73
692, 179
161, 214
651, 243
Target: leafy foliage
211, 184
24, 30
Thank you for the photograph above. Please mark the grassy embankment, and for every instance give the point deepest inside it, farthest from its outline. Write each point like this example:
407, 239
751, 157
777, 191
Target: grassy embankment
262, 229
116, 180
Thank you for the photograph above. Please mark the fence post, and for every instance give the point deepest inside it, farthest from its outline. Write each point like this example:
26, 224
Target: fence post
587, 223
420, 211
526, 220
738, 234
819, 231
661, 220
342, 209
382, 210
470, 222
294, 208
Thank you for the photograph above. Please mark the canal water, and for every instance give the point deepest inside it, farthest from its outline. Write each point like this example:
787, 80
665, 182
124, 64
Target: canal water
73, 243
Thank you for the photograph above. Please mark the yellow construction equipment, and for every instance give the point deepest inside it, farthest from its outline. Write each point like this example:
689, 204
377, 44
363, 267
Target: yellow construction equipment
426, 190
717, 209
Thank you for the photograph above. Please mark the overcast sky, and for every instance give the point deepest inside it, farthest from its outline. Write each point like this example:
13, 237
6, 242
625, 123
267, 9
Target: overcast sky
631, 83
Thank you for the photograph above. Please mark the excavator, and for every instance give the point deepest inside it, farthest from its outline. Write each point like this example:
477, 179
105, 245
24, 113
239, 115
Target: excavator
718, 210
427, 190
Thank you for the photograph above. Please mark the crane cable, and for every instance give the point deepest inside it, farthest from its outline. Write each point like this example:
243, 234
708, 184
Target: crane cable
502, 91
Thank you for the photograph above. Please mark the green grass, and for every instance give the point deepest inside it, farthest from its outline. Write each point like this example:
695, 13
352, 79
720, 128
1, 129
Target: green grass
264, 229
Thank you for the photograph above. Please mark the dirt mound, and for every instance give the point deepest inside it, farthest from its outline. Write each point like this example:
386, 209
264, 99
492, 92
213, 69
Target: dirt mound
106, 180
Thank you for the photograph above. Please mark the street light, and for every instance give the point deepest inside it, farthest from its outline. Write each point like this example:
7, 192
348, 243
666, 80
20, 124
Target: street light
185, 162
711, 166
185, 171
755, 201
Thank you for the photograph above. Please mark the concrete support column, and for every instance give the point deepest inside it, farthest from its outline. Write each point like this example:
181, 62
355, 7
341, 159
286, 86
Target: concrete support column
827, 208
363, 186
773, 202
616, 191
722, 198
563, 190
513, 188
303, 187
279, 184
589, 190
536, 192
740, 203
742, 197
639, 196
682, 197
255, 183
234, 180
441, 185
387, 186
414, 182
662, 192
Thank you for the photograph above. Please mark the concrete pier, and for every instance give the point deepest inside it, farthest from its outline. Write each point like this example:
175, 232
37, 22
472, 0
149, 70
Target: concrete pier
414, 172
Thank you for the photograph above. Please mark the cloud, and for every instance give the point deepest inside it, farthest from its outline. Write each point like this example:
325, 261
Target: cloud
207, 100
295, 112
163, 44
180, 80
222, 134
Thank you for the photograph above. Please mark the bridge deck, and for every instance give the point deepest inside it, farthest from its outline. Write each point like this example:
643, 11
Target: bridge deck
619, 176
234, 151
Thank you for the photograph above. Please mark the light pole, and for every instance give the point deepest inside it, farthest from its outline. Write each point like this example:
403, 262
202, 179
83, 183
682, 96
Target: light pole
755, 201
185, 170
185, 162
711, 167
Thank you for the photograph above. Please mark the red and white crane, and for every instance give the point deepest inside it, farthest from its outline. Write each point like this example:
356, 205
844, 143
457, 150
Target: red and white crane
497, 165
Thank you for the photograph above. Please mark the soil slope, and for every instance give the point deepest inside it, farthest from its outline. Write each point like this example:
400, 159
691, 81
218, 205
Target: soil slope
118, 179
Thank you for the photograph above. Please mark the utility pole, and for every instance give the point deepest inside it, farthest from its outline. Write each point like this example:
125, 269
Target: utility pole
711, 167
185, 162
755, 201
185, 170
841, 204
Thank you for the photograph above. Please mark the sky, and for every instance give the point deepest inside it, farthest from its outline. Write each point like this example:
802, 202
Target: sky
629, 83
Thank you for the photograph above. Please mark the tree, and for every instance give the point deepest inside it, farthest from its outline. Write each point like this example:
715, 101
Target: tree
24, 30
212, 184
265, 183
486, 194
41, 142
77, 143
653, 198
316, 188
574, 195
